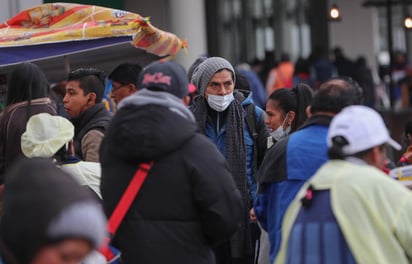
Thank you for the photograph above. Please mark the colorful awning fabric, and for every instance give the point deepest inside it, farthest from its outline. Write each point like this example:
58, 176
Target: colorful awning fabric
59, 23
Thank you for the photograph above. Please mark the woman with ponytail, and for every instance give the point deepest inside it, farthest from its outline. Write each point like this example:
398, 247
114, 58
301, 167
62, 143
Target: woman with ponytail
286, 110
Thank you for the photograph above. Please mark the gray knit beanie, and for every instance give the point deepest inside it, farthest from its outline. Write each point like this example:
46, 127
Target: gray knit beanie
193, 67
205, 71
83, 219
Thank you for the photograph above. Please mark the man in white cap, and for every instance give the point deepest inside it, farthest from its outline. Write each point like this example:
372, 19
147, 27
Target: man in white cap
350, 210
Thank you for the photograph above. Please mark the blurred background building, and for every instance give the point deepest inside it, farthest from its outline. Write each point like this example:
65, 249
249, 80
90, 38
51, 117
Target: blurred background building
262, 30
244, 30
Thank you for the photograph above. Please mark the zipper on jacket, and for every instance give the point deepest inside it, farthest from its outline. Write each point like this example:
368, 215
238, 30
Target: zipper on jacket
217, 123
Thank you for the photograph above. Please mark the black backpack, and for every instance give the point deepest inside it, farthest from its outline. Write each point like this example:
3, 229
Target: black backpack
259, 133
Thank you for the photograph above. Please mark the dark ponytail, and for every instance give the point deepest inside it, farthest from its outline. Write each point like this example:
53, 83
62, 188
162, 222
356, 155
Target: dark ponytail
335, 151
304, 95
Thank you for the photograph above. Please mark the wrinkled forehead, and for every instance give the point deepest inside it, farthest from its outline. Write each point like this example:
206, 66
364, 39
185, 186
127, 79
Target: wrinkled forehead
224, 70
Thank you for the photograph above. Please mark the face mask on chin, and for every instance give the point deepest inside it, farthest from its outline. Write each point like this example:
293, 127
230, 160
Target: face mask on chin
280, 133
220, 103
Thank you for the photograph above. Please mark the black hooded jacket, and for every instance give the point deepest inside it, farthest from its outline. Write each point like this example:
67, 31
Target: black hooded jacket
189, 201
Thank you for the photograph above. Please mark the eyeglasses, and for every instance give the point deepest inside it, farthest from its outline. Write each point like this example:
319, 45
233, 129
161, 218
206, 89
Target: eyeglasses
114, 89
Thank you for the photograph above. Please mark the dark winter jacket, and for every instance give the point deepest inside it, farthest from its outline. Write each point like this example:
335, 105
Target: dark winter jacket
13, 124
94, 118
188, 202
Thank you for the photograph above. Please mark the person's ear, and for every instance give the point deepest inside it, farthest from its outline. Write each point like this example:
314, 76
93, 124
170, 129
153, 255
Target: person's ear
92, 99
131, 88
308, 111
376, 157
291, 117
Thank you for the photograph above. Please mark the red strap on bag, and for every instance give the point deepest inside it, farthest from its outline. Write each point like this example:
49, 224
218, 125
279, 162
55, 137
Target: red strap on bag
123, 206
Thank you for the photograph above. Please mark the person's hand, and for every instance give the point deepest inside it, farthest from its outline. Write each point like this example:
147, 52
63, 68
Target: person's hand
252, 215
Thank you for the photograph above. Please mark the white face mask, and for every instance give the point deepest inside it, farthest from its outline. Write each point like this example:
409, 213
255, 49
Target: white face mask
280, 133
220, 103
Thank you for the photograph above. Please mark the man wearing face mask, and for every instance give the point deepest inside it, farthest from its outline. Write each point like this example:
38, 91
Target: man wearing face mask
294, 159
221, 114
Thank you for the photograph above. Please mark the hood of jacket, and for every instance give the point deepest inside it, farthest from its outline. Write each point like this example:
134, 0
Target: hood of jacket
149, 125
47, 191
244, 97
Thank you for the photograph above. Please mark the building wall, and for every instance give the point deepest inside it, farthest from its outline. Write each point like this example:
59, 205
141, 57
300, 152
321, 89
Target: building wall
155, 9
10, 8
357, 32
185, 18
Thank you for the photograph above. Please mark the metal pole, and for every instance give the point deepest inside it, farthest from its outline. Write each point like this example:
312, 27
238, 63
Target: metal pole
13, 7
299, 24
390, 49
66, 64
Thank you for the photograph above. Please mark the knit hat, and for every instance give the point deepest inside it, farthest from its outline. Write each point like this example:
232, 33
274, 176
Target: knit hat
193, 67
36, 197
45, 135
205, 71
167, 76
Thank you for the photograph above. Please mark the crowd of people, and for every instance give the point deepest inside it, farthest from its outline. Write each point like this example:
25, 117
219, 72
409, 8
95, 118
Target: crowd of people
292, 171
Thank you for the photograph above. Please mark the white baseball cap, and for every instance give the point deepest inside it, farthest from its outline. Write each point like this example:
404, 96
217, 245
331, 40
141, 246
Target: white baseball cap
45, 135
362, 127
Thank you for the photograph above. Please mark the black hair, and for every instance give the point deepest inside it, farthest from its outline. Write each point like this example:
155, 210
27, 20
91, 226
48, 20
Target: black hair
335, 94
91, 80
62, 155
301, 66
126, 73
296, 100
335, 151
27, 82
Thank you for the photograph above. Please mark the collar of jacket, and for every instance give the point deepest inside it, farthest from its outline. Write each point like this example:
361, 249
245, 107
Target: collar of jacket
84, 117
323, 120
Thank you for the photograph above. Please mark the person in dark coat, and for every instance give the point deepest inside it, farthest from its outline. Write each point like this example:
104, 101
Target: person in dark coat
344, 65
48, 217
189, 201
28, 94
226, 116
83, 104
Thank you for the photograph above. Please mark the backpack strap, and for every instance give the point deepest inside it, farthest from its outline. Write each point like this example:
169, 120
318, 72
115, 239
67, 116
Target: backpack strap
123, 206
251, 122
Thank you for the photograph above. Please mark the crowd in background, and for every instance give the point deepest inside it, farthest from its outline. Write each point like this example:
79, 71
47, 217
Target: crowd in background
267, 162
